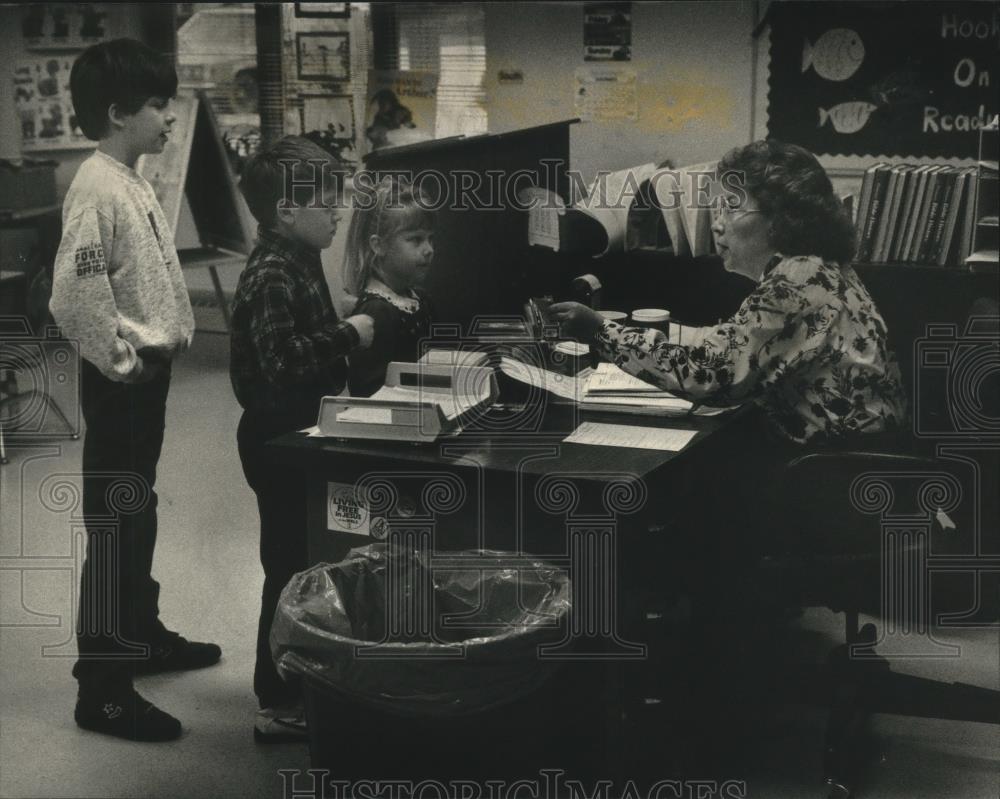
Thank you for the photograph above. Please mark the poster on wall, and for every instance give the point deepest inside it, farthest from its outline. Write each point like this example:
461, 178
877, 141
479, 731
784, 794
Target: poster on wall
328, 119
44, 105
607, 31
401, 107
605, 94
323, 56
860, 78
62, 26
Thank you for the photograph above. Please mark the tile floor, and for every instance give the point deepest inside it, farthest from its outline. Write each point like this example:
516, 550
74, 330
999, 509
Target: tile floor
206, 560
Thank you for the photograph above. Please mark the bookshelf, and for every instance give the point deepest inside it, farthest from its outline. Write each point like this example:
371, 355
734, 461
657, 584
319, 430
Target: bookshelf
986, 231
917, 216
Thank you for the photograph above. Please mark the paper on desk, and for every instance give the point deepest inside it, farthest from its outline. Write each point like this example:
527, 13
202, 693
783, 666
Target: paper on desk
611, 379
561, 385
454, 357
366, 415
574, 388
451, 406
624, 435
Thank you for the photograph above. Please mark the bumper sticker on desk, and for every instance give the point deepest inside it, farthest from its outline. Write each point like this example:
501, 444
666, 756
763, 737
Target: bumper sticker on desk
347, 510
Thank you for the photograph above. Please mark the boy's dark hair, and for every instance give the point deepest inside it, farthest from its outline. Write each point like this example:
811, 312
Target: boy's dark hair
293, 168
122, 72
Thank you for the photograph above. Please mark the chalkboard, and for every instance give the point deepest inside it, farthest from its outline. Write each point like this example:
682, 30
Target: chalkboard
903, 79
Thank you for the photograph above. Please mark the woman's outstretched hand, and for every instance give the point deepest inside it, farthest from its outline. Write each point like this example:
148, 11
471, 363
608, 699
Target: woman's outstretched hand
576, 321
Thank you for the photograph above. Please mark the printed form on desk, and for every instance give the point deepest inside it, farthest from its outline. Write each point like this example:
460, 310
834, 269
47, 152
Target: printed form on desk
624, 435
452, 406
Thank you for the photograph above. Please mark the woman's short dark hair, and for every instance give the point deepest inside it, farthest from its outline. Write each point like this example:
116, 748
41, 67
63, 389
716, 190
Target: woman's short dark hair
788, 184
122, 72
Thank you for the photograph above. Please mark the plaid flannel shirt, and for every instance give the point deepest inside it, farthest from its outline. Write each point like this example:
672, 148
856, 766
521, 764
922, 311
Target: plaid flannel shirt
287, 348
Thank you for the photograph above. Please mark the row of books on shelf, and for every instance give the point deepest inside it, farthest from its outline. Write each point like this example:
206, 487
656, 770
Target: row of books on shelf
917, 214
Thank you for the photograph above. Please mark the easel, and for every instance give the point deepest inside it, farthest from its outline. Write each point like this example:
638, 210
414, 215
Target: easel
194, 168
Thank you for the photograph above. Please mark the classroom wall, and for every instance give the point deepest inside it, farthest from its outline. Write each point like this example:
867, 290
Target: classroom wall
702, 83
120, 21
694, 68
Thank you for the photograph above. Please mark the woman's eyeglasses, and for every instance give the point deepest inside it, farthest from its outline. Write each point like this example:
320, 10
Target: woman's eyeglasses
728, 214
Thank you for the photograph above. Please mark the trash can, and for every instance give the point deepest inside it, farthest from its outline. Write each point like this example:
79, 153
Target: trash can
421, 671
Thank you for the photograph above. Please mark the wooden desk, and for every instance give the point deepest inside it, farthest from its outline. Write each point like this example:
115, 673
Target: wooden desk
617, 519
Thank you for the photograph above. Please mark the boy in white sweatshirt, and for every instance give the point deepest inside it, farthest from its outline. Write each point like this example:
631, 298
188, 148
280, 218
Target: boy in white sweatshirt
118, 291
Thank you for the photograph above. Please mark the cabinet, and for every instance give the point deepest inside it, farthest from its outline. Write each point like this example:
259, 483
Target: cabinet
986, 233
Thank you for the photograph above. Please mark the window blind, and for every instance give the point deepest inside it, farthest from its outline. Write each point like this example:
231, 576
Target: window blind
448, 39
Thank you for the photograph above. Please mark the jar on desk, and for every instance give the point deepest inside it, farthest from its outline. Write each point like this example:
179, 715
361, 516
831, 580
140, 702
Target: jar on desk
656, 318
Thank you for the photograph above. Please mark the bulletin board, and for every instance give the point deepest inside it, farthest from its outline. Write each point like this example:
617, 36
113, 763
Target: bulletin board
914, 79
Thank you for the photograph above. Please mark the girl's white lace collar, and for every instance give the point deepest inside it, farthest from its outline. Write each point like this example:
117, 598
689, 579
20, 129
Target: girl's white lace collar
409, 304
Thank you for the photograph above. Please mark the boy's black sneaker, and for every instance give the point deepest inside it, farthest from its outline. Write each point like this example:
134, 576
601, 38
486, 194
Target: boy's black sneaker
173, 652
125, 714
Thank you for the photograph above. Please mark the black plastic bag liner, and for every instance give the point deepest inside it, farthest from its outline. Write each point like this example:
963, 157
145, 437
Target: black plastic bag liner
488, 614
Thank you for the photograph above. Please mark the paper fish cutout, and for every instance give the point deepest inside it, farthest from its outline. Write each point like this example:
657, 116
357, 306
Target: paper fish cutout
836, 55
944, 520
847, 117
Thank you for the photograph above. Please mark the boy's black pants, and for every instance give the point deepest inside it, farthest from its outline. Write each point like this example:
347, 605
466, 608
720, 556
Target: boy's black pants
119, 611
281, 501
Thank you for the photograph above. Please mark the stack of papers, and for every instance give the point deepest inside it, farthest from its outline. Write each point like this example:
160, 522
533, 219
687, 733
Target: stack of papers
657, 403
613, 389
620, 435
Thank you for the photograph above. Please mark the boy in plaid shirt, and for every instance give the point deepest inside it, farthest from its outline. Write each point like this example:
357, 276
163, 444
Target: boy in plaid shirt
287, 351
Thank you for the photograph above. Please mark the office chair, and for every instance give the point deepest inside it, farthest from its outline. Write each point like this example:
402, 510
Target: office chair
872, 525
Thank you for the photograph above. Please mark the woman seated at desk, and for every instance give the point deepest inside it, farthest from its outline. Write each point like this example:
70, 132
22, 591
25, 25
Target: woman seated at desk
808, 344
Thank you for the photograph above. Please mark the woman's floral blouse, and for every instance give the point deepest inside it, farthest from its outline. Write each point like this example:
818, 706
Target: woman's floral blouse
808, 345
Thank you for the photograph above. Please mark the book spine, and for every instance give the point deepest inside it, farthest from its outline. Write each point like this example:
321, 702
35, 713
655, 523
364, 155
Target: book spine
864, 201
920, 222
882, 229
947, 245
910, 211
969, 220
902, 208
879, 186
933, 216
944, 211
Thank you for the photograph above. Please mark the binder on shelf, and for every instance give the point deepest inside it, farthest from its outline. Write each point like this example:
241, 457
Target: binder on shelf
419, 403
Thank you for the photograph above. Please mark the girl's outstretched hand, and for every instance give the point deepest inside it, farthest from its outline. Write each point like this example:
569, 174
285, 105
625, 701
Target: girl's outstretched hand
575, 321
